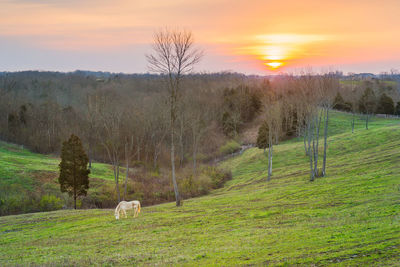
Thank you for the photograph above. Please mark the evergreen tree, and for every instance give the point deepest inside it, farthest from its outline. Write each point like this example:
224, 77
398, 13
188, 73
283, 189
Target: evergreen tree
74, 174
397, 109
339, 103
367, 102
262, 137
385, 105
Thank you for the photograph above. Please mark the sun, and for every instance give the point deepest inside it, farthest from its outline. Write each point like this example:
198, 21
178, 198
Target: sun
274, 64
278, 50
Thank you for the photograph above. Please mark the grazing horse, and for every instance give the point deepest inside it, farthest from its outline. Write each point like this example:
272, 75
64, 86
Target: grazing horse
124, 205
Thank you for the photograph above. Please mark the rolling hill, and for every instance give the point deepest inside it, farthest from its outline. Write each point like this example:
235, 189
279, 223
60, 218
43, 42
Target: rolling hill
349, 217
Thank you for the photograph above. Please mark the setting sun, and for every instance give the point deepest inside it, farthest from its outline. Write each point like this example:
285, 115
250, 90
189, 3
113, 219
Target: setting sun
274, 65
273, 49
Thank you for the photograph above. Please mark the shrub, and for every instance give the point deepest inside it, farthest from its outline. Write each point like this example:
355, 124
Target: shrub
50, 202
367, 102
262, 137
229, 148
218, 176
397, 109
340, 104
103, 197
201, 184
193, 187
385, 105
16, 199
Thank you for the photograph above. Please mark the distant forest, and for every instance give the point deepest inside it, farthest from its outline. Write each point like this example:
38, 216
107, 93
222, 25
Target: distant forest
41, 109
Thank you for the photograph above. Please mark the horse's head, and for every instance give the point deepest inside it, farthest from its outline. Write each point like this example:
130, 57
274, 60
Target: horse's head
117, 216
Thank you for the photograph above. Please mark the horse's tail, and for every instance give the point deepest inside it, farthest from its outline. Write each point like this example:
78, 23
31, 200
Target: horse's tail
139, 207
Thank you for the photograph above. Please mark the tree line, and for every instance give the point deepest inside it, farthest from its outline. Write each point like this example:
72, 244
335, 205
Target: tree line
123, 120
299, 106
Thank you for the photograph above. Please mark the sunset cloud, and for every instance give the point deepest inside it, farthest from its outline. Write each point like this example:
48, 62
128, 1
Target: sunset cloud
251, 35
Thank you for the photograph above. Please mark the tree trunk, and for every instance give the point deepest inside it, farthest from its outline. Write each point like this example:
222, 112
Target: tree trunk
176, 190
74, 173
366, 122
352, 124
309, 139
313, 144
194, 153
127, 171
310, 136
325, 142
194, 162
181, 145
138, 149
304, 140
155, 158
116, 177
90, 146
316, 151
269, 155
318, 125
90, 156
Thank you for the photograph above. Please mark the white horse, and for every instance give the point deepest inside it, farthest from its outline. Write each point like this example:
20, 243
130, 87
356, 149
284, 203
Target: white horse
124, 205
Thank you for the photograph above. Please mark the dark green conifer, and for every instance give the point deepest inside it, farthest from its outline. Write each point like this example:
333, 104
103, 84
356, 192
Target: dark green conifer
385, 105
74, 174
262, 137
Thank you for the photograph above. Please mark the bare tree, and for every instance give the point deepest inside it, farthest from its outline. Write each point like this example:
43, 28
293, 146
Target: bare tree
110, 135
274, 123
320, 90
329, 85
128, 151
92, 105
198, 119
173, 56
307, 85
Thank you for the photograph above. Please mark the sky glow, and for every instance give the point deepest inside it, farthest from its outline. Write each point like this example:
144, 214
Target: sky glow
253, 37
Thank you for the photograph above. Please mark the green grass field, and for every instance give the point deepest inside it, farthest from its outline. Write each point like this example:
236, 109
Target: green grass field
18, 164
26, 177
349, 217
359, 82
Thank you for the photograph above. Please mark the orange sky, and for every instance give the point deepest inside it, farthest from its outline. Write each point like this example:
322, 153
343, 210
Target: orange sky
246, 36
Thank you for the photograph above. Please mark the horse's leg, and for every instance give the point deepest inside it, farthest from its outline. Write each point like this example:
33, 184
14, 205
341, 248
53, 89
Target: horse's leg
124, 212
117, 213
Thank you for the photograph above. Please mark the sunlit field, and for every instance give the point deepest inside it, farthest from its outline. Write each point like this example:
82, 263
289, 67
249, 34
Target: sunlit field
349, 217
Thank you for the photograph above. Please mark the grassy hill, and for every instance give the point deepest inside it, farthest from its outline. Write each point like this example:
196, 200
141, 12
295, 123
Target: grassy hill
18, 163
351, 216
26, 177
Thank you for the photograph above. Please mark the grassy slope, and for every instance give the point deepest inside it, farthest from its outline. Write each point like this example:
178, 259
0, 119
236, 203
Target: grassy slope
21, 166
352, 216
358, 82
